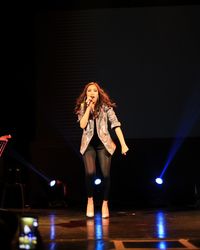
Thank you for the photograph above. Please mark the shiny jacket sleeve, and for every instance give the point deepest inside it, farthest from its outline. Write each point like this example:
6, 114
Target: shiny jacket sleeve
80, 112
112, 118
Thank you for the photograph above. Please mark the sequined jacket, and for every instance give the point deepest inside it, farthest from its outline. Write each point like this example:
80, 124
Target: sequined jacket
106, 114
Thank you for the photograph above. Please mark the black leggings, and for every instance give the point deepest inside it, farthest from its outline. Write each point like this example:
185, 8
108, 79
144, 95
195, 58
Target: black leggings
89, 159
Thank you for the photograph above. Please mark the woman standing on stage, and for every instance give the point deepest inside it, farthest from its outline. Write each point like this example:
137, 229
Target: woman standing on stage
95, 109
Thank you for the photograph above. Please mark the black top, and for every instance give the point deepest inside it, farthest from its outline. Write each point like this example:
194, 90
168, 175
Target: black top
95, 139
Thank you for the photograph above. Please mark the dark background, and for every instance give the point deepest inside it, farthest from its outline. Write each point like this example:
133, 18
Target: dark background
144, 54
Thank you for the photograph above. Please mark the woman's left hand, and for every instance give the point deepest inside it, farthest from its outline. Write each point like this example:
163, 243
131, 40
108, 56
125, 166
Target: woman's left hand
124, 149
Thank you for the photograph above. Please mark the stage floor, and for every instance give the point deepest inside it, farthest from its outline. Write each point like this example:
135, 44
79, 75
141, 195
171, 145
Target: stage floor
68, 229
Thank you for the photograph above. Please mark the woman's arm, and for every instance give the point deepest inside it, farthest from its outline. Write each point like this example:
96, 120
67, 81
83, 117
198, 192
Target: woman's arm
85, 118
120, 136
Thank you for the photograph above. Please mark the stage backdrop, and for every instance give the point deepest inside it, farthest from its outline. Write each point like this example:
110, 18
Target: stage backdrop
147, 59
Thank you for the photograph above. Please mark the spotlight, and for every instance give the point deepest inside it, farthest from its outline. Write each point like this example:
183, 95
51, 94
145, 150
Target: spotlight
57, 193
159, 180
97, 181
52, 183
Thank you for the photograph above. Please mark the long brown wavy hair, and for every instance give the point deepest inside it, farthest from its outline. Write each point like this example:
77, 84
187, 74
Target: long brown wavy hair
103, 99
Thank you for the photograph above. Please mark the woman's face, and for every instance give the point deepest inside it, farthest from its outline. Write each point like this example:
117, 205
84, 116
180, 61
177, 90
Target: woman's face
92, 91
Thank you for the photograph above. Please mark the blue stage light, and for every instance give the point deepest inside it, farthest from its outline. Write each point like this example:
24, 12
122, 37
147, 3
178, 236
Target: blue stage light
189, 118
159, 180
97, 181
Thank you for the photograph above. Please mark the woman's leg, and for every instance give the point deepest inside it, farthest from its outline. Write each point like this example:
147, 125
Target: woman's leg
89, 158
105, 163
90, 169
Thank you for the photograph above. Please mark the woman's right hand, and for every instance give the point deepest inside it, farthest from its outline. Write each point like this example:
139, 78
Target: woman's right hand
90, 103
89, 100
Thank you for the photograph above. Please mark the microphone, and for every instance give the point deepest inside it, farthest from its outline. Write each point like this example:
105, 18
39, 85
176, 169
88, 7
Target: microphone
90, 100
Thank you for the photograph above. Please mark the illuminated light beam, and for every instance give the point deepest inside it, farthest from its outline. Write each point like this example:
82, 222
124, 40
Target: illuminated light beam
19, 158
190, 117
177, 144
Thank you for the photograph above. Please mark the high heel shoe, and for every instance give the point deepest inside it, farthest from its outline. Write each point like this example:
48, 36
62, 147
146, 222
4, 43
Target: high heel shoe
90, 208
105, 210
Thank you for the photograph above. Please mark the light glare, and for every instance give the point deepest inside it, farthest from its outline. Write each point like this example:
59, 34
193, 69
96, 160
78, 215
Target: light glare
97, 181
52, 183
159, 181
